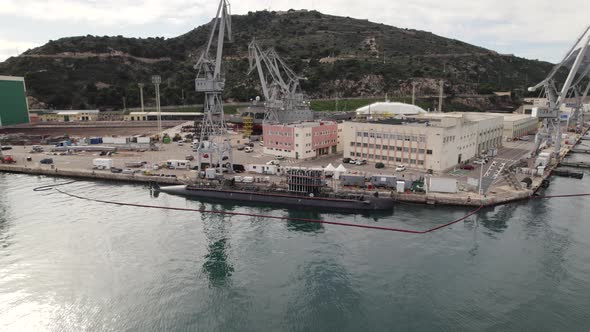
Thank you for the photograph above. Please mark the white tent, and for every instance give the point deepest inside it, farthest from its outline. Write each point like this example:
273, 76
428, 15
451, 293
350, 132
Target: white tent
339, 171
329, 169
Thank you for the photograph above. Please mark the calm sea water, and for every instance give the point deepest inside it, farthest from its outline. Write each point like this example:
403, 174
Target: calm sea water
72, 265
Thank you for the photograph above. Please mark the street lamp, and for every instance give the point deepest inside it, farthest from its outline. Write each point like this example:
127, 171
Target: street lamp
156, 79
141, 95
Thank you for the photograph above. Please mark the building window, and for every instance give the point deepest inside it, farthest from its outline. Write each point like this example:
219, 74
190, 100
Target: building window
398, 148
420, 162
398, 159
371, 146
428, 151
378, 146
391, 158
371, 156
420, 150
365, 145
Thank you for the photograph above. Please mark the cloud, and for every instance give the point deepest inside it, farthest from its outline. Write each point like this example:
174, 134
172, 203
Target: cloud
507, 26
12, 48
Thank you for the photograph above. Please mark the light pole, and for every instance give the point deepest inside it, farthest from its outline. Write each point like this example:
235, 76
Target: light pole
414, 93
480, 179
156, 79
141, 95
440, 97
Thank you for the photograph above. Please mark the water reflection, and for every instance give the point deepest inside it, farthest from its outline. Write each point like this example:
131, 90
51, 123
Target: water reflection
305, 226
326, 299
4, 223
217, 265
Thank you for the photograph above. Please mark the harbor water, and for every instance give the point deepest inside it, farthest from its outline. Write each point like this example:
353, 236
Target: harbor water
73, 265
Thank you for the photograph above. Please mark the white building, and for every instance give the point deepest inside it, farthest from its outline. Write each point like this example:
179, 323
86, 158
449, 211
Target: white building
436, 141
518, 125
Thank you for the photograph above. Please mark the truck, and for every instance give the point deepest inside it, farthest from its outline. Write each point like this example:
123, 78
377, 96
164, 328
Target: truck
178, 164
101, 163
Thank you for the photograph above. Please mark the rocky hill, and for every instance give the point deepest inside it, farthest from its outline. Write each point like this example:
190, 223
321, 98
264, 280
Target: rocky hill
339, 56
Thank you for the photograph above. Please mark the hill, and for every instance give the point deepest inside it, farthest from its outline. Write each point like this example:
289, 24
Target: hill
339, 56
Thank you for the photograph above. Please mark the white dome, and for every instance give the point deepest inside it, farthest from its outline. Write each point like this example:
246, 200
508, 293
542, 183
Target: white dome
389, 109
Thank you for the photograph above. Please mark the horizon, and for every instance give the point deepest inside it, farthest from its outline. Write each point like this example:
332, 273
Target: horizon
504, 30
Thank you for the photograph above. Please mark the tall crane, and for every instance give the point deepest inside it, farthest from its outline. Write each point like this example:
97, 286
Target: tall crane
577, 61
284, 101
214, 144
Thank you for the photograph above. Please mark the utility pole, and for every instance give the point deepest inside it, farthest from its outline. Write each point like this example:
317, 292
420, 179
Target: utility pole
414, 93
141, 96
124, 104
156, 79
440, 97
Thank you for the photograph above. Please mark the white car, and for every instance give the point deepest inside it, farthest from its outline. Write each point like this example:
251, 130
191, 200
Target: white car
400, 168
479, 162
129, 171
273, 162
280, 157
352, 161
180, 143
248, 149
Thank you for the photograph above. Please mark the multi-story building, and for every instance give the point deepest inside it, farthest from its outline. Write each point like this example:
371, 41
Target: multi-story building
432, 141
301, 140
518, 125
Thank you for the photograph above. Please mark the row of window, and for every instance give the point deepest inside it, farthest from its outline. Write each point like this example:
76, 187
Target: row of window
386, 158
326, 142
389, 147
399, 137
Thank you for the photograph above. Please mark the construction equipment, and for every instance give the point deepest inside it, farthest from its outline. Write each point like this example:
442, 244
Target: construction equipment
213, 141
577, 60
283, 100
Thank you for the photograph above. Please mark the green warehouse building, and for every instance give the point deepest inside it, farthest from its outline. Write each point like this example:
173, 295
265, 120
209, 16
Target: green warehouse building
13, 101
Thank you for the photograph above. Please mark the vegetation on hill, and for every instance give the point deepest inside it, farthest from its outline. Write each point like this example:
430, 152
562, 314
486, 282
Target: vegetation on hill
338, 56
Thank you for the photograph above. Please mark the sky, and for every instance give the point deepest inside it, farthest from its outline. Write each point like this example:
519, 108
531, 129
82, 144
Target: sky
540, 29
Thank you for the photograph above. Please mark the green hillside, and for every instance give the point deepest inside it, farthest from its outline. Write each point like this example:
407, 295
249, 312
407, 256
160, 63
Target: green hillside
339, 57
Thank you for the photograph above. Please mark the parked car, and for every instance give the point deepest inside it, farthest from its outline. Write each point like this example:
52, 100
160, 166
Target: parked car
180, 143
352, 161
6, 148
346, 160
129, 171
46, 161
361, 162
261, 143
400, 168
241, 147
250, 144
280, 157
468, 167
273, 162
479, 162
116, 170
189, 157
248, 149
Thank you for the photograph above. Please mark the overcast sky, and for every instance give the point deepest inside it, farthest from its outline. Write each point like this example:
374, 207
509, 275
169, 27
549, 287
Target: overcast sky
540, 29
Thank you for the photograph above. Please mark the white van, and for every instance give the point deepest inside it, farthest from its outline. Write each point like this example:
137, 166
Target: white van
100, 163
178, 164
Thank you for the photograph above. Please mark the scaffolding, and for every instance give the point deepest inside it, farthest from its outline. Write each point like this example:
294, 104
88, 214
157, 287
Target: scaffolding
306, 182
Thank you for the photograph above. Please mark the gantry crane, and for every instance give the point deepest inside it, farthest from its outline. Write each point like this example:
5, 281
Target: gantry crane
577, 60
214, 144
284, 101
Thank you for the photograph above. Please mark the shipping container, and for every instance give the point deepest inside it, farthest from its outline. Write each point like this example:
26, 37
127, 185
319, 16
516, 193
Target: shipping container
352, 180
384, 181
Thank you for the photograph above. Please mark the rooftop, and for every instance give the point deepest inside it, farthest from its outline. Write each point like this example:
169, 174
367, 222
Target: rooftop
167, 113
